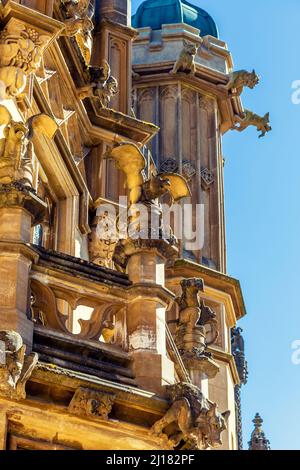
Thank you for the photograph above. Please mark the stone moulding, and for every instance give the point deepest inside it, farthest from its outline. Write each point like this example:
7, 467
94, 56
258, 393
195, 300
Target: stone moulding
92, 403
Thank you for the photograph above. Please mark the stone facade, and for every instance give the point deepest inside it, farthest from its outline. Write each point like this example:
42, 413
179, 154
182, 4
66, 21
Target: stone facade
104, 342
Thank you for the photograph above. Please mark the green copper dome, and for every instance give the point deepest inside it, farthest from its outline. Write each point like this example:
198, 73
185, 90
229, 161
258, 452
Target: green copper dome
155, 13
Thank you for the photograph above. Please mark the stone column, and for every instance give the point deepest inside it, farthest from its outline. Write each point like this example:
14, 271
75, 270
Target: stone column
18, 209
148, 299
115, 10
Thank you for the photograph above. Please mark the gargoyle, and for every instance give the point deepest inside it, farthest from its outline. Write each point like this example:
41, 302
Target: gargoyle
194, 316
76, 8
102, 85
186, 60
192, 421
79, 24
237, 340
16, 368
251, 119
16, 147
129, 159
241, 78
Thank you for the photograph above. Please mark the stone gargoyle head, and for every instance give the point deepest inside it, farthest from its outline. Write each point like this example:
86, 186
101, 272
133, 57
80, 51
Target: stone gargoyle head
14, 352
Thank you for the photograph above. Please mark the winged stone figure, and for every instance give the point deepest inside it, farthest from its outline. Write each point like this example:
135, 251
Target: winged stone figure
129, 159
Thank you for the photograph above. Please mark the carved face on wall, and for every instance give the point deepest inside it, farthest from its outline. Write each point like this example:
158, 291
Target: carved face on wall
213, 426
190, 48
14, 356
252, 79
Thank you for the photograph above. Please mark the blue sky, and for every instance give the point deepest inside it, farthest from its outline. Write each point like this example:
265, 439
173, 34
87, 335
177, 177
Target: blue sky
262, 189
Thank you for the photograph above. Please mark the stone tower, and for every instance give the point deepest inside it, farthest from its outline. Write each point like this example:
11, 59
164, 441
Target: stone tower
183, 81
105, 343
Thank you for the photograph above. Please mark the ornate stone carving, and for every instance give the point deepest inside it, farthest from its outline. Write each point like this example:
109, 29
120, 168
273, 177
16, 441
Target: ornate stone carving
21, 51
251, 119
16, 150
169, 165
102, 86
15, 367
241, 78
207, 178
79, 24
186, 60
188, 170
132, 162
44, 310
206, 103
196, 422
91, 403
258, 439
194, 315
102, 244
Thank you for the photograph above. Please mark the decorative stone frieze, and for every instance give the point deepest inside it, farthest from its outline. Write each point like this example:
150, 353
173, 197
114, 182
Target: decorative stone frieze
92, 403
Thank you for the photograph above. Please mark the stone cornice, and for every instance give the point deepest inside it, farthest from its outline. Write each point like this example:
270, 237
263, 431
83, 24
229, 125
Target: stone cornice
33, 17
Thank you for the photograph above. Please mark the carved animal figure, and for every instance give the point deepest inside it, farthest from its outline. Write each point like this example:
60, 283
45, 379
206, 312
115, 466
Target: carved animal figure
196, 422
190, 289
251, 119
237, 340
102, 84
16, 147
17, 367
129, 159
241, 78
186, 61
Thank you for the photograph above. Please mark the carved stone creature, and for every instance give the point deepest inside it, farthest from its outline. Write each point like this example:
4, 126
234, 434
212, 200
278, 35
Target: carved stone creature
16, 149
101, 242
129, 159
16, 368
186, 60
93, 403
251, 119
79, 24
21, 51
192, 421
241, 78
238, 352
102, 85
194, 315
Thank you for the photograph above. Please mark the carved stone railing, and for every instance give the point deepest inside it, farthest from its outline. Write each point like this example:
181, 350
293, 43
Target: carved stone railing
73, 296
